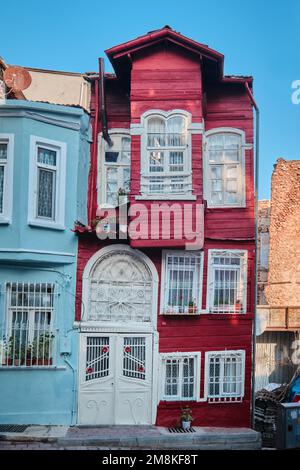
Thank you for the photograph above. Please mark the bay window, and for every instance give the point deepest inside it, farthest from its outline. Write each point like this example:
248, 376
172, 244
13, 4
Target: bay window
166, 162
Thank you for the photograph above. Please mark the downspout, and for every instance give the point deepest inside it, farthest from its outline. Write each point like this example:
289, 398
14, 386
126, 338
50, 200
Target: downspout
74, 389
102, 104
253, 102
94, 157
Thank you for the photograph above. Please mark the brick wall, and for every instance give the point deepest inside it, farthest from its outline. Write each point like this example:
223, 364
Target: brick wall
284, 258
263, 248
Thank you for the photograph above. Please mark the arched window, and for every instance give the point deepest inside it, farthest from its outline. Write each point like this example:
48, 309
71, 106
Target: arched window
115, 171
166, 166
224, 178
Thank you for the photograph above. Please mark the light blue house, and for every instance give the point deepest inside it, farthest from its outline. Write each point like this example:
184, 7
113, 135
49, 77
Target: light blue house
44, 164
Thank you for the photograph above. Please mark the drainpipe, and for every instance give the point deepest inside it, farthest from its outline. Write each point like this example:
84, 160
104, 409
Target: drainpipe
102, 105
253, 102
94, 157
74, 391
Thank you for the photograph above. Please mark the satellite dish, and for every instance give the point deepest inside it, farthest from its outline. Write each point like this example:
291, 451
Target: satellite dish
17, 78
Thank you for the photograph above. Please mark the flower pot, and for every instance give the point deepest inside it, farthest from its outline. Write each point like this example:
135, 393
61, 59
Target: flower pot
123, 199
192, 309
185, 425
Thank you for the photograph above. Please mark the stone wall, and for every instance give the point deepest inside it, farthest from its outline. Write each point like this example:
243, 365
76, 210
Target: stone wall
263, 248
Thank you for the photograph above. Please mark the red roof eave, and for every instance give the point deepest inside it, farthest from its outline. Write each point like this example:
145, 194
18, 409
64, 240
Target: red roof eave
165, 33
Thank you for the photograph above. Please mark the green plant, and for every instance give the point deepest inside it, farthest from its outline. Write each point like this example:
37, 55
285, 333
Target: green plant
41, 347
192, 303
186, 414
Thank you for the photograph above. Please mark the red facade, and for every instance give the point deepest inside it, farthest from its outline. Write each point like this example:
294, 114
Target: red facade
165, 71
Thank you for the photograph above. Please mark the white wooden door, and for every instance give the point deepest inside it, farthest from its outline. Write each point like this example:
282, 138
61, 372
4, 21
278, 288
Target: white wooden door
115, 379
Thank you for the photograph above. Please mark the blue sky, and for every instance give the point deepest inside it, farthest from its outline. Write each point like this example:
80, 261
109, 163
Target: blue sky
259, 38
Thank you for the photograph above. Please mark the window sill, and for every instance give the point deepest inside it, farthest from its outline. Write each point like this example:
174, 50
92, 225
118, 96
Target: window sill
14, 368
180, 314
166, 197
44, 224
4, 221
240, 206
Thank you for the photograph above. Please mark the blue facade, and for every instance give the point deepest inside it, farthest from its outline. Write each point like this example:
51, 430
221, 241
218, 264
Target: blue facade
35, 254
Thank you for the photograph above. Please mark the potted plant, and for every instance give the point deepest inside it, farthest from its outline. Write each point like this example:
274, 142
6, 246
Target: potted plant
186, 417
192, 306
122, 196
238, 306
41, 349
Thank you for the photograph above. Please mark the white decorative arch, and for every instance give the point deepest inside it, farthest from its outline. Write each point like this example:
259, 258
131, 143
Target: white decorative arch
120, 287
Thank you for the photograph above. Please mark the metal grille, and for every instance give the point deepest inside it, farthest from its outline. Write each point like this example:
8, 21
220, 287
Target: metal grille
13, 427
134, 357
182, 283
227, 283
179, 378
27, 338
120, 290
97, 358
181, 430
226, 376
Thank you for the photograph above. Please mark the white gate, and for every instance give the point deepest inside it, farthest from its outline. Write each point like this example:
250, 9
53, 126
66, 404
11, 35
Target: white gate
115, 379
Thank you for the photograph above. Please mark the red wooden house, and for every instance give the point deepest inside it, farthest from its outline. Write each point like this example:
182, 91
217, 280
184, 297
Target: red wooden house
165, 312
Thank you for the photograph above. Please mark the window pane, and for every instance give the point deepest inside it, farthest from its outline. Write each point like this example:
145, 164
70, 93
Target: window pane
111, 157
97, 357
227, 285
176, 161
177, 184
3, 151
156, 184
156, 163
134, 358
214, 376
181, 287
126, 179
188, 378
172, 377
125, 154
156, 132
1, 187
112, 185
46, 156
46, 192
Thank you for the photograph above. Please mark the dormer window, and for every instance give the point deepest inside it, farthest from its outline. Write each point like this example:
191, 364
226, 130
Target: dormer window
166, 162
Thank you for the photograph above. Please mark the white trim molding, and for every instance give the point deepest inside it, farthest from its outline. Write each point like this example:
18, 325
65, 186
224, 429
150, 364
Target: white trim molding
177, 181
102, 165
92, 263
180, 357
239, 284
58, 220
8, 170
241, 177
235, 385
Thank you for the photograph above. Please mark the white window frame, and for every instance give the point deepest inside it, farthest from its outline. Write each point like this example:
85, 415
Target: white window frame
197, 375
206, 166
165, 279
102, 183
31, 311
6, 214
222, 396
58, 221
243, 255
145, 174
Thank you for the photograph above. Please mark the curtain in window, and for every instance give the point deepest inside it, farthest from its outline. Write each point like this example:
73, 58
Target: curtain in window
46, 191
